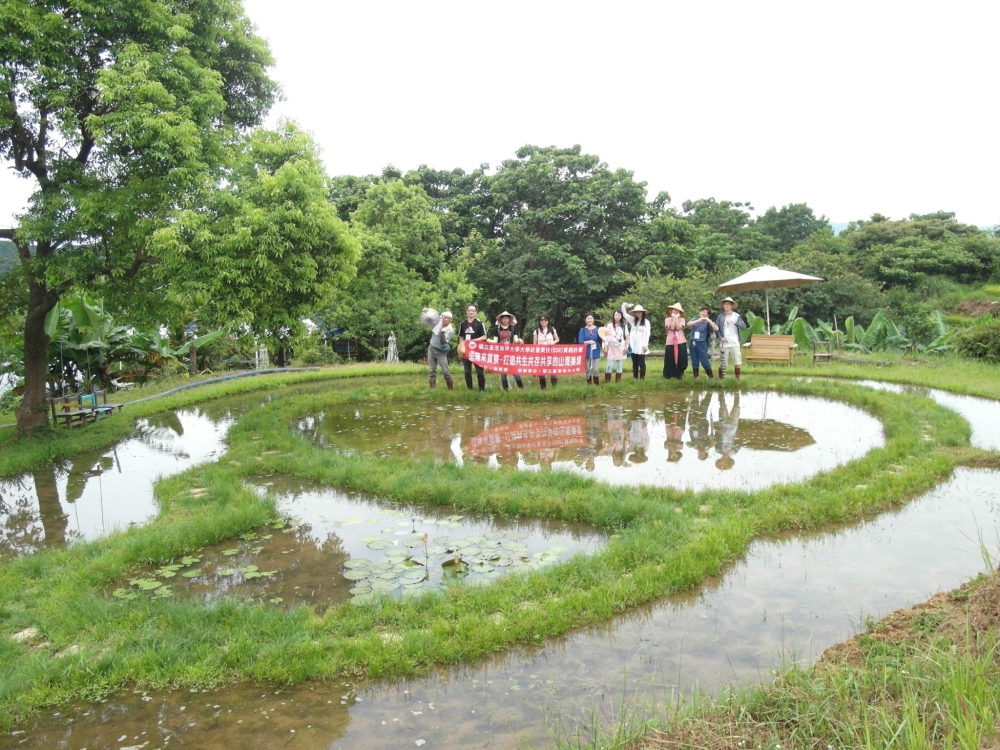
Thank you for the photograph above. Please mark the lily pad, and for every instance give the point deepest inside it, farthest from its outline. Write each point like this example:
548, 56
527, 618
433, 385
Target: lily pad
385, 585
390, 575
276, 600
397, 553
494, 535
249, 569
502, 562
414, 575
251, 575
190, 560
359, 562
470, 551
459, 543
413, 543
482, 568
516, 535
361, 589
230, 552
436, 549
357, 575
475, 539
165, 573
379, 544
146, 584
194, 573
163, 591
174, 567
227, 571
455, 518
367, 539
124, 594
441, 539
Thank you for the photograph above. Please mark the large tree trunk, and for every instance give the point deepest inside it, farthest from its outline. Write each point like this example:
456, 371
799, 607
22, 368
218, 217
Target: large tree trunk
33, 411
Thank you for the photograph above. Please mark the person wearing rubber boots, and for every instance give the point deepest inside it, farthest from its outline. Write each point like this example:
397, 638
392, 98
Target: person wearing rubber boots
506, 333
702, 329
437, 352
471, 329
730, 324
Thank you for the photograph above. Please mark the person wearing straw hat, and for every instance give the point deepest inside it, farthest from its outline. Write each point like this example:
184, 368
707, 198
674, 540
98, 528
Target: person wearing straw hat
437, 352
639, 332
702, 328
730, 324
675, 358
506, 334
616, 343
591, 337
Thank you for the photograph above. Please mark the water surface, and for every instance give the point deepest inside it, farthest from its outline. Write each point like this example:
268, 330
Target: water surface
695, 439
785, 602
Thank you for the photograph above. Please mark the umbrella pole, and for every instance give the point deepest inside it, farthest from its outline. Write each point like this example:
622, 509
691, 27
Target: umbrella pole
767, 307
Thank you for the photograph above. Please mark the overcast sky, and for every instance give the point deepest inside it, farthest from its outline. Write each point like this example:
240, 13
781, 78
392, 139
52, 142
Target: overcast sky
851, 107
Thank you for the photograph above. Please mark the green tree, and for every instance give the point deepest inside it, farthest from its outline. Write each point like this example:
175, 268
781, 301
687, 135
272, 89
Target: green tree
404, 215
789, 225
117, 112
565, 226
726, 233
907, 252
401, 262
275, 245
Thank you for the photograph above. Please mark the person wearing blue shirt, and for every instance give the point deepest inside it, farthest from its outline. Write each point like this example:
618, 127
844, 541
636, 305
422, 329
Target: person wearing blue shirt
702, 329
592, 358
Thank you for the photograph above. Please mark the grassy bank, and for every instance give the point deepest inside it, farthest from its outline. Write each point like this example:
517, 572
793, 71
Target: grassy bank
59, 443
924, 677
89, 644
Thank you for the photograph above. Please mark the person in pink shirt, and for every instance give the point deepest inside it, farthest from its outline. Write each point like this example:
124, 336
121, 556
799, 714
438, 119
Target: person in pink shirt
675, 358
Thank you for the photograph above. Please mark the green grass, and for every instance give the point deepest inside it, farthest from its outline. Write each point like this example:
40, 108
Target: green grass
655, 550
56, 444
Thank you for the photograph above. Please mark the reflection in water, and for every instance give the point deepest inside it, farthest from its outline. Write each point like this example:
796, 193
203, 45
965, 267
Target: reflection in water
737, 440
94, 493
787, 601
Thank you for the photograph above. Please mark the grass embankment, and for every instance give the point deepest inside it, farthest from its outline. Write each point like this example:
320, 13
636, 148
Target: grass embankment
924, 677
666, 540
949, 373
57, 444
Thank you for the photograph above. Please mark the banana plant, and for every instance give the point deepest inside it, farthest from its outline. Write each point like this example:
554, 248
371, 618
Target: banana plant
805, 334
882, 335
783, 329
942, 341
755, 324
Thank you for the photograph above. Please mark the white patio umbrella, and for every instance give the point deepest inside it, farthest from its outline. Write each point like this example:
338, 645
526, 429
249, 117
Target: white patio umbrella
766, 278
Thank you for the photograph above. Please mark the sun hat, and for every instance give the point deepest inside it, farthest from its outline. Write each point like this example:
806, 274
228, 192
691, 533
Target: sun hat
639, 308
735, 304
677, 306
503, 314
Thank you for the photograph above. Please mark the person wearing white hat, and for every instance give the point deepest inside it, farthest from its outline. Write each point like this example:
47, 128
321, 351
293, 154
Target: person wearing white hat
675, 357
638, 337
730, 324
437, 352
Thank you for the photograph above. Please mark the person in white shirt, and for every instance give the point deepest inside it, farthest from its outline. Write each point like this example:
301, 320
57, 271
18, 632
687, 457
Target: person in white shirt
639, 331
730, 324
545, 335
437, 352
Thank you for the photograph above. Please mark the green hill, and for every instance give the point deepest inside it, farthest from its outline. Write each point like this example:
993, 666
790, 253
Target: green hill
8, 256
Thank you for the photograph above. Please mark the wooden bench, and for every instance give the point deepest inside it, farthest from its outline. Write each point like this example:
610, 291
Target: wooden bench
765, 348
67, 409
102, 407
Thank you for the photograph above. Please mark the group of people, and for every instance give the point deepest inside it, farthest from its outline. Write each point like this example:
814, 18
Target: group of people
626, 335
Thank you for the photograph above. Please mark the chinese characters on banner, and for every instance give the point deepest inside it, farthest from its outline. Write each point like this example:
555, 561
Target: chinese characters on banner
529, 436
527, 359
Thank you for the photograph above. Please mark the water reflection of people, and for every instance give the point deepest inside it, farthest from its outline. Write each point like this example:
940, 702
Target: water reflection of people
700, 424
675, 437
729, 423
638, 436
617, 430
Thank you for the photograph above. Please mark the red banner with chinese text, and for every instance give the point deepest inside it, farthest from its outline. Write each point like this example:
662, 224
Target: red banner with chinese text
529, 436
527, 359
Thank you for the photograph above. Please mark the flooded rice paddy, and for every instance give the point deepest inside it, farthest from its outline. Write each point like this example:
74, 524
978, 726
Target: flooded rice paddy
786, 601
94, 493
330, 546
695, 439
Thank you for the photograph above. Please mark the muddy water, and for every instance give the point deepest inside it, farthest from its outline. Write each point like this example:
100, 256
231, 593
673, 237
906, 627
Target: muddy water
94, 493
329, 546
694, 440
787, 601
983, 415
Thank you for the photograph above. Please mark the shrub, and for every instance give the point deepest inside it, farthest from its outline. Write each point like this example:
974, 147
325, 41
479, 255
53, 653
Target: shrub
980, 342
